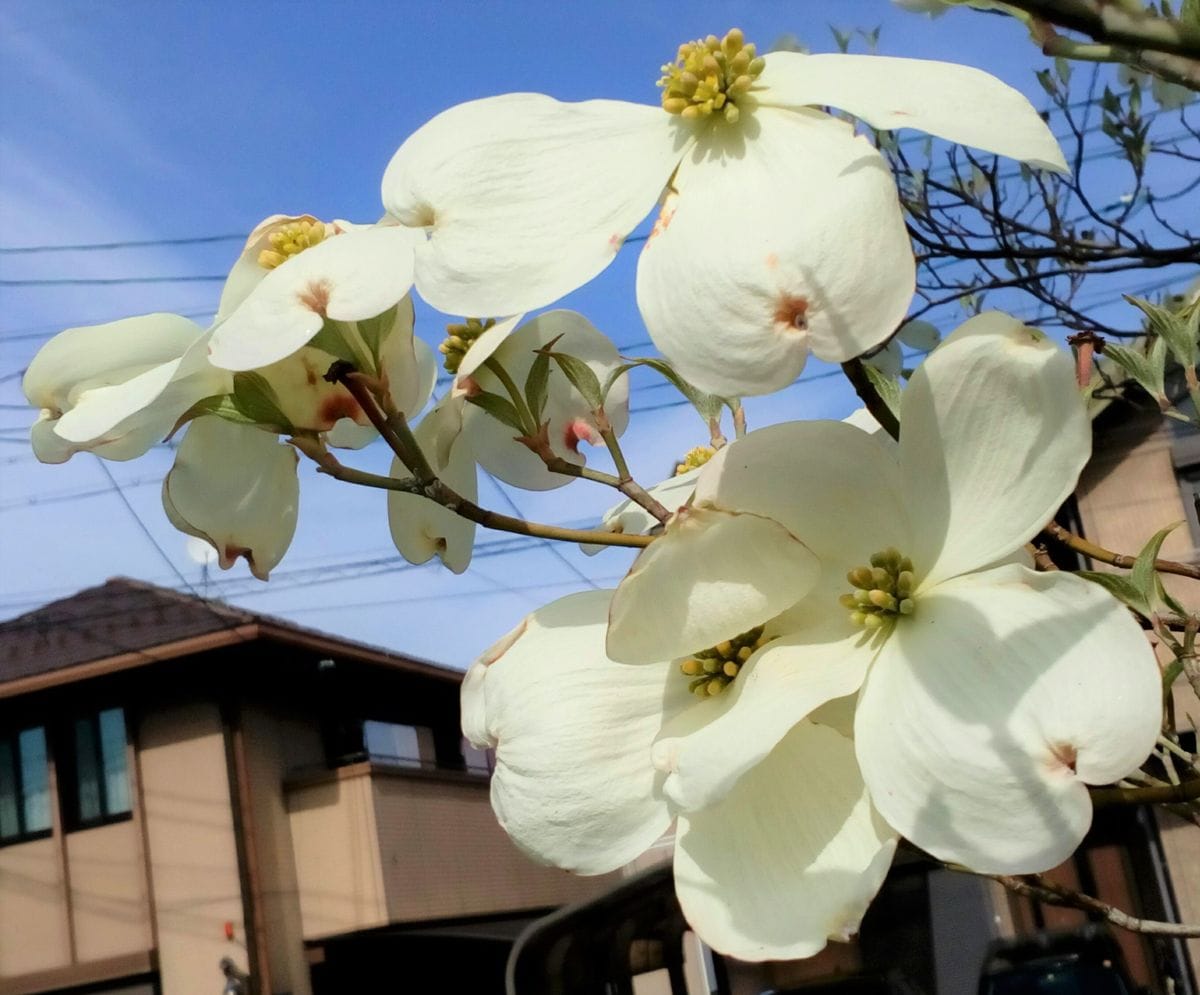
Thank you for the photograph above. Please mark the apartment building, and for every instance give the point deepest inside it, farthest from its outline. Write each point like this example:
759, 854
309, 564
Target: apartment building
197, 799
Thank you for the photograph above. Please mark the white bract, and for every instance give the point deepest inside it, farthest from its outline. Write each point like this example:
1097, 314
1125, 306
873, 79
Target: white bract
780, 232
421, 528
984, 690
508, 351
117, 389
234, 486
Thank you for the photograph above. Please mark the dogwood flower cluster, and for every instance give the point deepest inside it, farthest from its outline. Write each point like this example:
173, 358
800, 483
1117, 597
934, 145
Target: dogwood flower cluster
830, 640
835, 643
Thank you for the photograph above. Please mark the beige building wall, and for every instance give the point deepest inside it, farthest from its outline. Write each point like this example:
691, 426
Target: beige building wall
109, 903
193, 850
337, 861
33, 908
474, 868
375, 845
275, 745
1129, 491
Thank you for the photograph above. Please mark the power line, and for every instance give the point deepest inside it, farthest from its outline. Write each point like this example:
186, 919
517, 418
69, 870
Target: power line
111, 281
132, 244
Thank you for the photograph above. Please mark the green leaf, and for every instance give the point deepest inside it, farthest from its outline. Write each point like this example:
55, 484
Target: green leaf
219, 405
1142, 574
888, 388
708, 405
1047, 81
375, 330
535, 385
329, 339
1120, 587
254, 398
1063, 68
1172, 328
500, 408
583, 378
842, 40
1149, 371
1189, 14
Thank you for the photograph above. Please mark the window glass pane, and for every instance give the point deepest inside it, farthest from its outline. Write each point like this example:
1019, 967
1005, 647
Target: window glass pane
392, 743
35, 779
112, 748
10, 823
87, 771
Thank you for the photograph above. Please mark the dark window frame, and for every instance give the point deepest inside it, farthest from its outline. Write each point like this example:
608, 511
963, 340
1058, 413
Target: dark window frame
69, 785
24, 834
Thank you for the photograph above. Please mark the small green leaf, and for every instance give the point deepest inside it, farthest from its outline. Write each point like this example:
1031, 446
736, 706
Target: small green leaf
1189, 14
1142, 574
708, 405
329, 339
499, 408
375, 330
220, 405
842, 40
1120, 587
254, 398
1149, 371
583, 378
888, 388
535, 385
1063, 68
1177, 332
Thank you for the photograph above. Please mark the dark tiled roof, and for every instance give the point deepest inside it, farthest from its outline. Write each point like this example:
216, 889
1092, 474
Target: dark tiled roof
125, 616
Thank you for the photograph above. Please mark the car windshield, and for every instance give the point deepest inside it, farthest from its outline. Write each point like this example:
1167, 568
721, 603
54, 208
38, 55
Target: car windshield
1060, 976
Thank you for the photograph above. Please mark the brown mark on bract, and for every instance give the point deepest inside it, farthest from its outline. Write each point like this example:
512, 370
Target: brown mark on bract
791, 313
1065, 754
315, 296
338, 406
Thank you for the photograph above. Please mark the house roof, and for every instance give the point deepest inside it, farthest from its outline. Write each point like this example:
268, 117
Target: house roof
126, 623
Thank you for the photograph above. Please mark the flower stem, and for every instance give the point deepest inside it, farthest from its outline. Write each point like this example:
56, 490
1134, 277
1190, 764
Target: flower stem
857, 375
393, 428
1099, 553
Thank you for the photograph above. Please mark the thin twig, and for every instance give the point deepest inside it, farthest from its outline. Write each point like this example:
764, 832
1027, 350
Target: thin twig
1038, 887
394, 430
1102, 555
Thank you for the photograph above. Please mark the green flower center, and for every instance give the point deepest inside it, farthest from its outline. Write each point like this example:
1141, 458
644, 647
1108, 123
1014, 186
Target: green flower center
709, 76
714, 669
882, 591
290, 240
460, 338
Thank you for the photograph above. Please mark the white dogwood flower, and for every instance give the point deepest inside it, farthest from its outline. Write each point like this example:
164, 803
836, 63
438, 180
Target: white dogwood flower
506, 351
118, 388
780, 232
788, 859
986, 699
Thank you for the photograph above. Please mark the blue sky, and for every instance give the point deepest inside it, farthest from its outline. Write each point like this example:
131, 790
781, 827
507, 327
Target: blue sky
142, 120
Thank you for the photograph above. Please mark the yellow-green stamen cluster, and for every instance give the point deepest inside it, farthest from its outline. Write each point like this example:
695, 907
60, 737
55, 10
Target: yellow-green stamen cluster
695, 457
881, 591
290, 240
460, 338
713, 669
709, 76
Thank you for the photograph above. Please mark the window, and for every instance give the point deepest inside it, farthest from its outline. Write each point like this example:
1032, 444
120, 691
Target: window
99, 788
24, 786
401, 745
